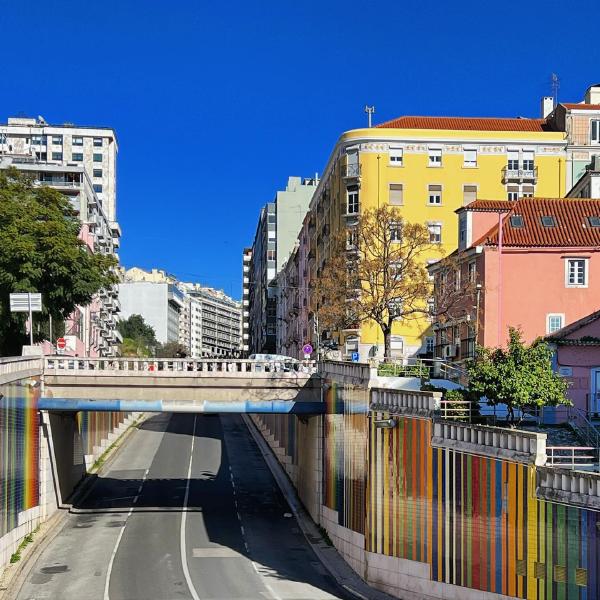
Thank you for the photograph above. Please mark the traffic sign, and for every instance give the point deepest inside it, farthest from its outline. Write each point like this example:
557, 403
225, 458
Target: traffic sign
307, 349
61, 343
355, 357
27, 302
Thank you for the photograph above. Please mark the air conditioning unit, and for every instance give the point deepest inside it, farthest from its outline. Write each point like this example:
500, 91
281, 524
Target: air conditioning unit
449, 351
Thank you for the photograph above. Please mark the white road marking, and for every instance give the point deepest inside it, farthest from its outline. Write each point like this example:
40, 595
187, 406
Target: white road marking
120, 536
182, 546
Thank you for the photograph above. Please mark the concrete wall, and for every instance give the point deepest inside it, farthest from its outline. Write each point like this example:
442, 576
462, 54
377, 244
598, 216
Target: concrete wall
149, 300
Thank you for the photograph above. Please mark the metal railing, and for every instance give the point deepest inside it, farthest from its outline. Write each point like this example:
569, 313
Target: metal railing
519, 174
423, 367
176, 365
350, 169
572, 457
455, 410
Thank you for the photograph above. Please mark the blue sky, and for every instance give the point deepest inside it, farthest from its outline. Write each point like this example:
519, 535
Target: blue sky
216, 103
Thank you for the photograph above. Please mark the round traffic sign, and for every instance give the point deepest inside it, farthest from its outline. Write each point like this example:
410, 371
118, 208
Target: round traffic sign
61, 343
307, 349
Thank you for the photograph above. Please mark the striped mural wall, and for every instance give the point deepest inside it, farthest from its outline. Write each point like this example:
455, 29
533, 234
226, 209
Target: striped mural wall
94, 427
475, 520
19, 451
345, 454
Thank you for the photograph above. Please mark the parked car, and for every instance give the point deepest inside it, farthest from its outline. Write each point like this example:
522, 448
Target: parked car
275, 362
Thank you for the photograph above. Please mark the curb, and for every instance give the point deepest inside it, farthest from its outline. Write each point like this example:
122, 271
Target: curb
14, 576
331, 559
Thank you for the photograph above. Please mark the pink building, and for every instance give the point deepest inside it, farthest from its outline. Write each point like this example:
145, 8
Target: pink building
532, 264
578, 359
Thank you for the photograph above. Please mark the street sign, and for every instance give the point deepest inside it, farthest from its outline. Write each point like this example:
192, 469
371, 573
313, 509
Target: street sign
61, 343
21, 302
355, 357
307, 349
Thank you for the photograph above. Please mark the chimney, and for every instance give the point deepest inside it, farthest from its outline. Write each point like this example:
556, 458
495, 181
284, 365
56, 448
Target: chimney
592, 95
547, 106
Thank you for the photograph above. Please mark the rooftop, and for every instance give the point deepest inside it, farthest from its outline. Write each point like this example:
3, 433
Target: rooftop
467, 123
547, 222
487, 206
580, 106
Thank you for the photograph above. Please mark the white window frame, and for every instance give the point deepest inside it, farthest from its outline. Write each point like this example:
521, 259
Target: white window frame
401, 190
396, 158
595, 124
469, 164
470, 185
435, 230
586, 262
434, 154
396, 232
349, 193
433, 193
550, 316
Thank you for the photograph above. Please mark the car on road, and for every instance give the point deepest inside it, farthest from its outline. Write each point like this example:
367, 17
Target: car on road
275, 362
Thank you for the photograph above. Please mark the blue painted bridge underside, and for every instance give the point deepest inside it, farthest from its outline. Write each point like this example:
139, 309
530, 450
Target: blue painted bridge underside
245, 406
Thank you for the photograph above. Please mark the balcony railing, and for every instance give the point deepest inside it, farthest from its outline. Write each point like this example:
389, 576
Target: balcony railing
349, 170
519, 174
467, 348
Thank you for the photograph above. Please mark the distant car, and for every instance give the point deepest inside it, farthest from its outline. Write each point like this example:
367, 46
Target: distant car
277, 362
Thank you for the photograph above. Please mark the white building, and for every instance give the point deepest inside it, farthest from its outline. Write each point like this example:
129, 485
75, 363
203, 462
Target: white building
80, 162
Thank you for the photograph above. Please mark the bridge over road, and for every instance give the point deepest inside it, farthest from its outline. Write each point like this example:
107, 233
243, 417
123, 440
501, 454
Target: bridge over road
180, 385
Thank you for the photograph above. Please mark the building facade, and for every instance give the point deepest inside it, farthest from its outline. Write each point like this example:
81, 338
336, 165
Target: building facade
536, 266
275, 238
80, 162
246, 263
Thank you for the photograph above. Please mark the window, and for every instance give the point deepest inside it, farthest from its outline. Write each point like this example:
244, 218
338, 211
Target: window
435, 195
513, 192
462, 228
528, 161
470, 159
271, 218
76, 157
97, 188
39, 140
472, 271
516, 221
527, 192
351, 239
431, 306
396, 156
435, 233
554, 322
97, 157
352, 200
77, 141
576, 272
594, 221
435, 157
396, 195
457, 280
97, 172
41, 155
396, 232
98, 142
57, 156
270, 254
513, 160
548, 221
469, 194
595, 132
429, 344
57, 140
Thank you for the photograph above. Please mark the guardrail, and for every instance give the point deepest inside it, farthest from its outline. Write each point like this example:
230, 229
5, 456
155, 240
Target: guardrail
572, 457
167, 366
357, 372
422, 367
513, 444
18, 364
405, 401
581, 488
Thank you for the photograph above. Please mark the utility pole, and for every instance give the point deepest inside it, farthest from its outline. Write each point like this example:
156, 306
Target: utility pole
369, 110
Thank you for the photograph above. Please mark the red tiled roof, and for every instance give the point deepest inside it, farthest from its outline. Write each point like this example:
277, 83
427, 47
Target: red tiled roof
562, 334
572, 106
466, 123
572, 228
488, 206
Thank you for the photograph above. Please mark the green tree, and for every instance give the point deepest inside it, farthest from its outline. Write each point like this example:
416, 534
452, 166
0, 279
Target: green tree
136, 328
171, 350
40, 251
519, 376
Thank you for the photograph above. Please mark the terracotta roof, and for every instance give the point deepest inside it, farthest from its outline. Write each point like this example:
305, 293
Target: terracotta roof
466, 123
487, 206
572, 327
572, 106
571, 229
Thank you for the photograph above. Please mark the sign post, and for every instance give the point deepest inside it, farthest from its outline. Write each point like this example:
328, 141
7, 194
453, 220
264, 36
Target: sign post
27, 302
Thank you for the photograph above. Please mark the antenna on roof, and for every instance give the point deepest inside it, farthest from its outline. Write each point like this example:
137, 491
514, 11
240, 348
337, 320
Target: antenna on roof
554, 86
369, 110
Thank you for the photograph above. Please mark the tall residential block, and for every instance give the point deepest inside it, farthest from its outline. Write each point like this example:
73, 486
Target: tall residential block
428, 167
246, 262
275, 238
80, 162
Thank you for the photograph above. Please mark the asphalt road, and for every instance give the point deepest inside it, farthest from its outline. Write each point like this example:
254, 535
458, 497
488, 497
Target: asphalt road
187, 510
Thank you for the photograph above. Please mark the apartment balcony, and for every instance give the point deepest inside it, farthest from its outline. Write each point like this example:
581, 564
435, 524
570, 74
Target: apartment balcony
519, 175
350, 170
61, 184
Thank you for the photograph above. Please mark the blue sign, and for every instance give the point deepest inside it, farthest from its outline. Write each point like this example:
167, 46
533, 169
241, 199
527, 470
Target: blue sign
355, 357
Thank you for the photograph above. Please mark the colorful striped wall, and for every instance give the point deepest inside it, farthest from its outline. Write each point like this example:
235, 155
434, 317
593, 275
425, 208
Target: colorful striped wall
475, 520
19, 451
94, 427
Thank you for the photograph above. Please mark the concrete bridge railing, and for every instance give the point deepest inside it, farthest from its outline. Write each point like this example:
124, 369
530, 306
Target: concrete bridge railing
408, 402
19, 367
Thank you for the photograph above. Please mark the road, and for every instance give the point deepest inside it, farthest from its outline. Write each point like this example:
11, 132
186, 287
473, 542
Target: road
187, 510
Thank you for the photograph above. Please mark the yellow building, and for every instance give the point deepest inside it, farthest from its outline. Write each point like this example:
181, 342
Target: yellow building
429, 166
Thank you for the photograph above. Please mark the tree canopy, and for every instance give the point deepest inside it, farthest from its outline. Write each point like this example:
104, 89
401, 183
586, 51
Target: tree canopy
139, 338
377, 272
519, 376
40, 251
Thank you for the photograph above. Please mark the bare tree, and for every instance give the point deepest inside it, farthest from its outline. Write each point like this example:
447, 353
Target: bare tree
377, 273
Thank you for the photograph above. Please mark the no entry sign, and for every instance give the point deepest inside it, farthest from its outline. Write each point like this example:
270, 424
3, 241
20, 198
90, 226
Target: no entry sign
61, 343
